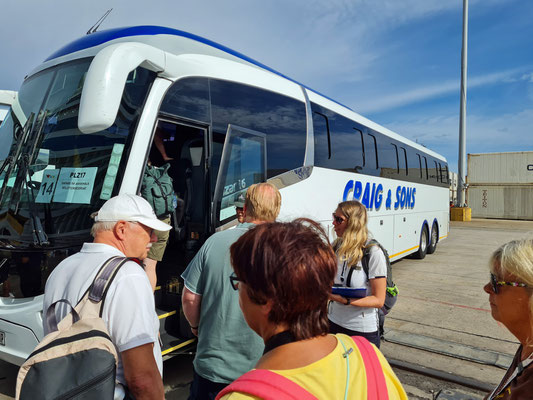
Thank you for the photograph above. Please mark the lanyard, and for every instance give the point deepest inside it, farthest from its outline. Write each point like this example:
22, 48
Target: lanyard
343, 271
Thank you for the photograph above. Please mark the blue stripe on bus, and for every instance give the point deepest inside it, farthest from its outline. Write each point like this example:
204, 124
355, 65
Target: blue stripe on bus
97, 38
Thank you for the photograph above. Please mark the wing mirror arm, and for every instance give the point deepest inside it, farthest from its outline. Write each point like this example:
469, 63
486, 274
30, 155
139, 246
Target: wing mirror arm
106, 78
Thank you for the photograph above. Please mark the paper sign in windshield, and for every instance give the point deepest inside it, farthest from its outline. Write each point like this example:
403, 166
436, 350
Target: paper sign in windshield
75, 185
48, 186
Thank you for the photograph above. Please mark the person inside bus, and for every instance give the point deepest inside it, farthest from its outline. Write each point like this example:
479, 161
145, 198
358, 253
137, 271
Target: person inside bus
160, 145
123, 226
510, 293
357, 317
283, 272
239, 207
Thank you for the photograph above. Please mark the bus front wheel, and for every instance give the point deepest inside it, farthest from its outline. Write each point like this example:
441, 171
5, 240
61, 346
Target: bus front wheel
423, 246
434, 239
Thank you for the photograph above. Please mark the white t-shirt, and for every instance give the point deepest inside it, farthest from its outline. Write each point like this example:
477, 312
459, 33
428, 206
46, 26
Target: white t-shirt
129, 308
361, 319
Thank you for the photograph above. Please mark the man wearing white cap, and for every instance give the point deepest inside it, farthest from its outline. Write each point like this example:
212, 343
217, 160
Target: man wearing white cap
123, 227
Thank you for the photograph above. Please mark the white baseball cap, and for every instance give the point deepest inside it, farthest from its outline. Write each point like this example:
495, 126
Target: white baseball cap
129, 207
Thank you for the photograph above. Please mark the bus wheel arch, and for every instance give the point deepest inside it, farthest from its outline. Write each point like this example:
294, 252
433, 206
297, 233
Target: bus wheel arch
434, 238
424, 242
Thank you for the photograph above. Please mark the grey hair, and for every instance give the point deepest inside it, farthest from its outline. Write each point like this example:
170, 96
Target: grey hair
516, 258
102, 226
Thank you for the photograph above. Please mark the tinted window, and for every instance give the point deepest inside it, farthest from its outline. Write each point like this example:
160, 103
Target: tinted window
338, 141
188, 98
371, 153
322, 139
433, 172
402, 156
281, 118
418, 163
388, 158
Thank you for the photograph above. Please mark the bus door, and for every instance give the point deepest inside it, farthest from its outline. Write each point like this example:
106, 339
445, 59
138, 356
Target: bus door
242, 163
184, 147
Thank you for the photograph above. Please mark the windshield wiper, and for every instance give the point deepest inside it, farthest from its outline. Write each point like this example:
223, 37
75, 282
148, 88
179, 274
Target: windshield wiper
11, 160
39, 235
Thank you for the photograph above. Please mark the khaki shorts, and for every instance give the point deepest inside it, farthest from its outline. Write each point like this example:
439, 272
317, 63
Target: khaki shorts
158, 248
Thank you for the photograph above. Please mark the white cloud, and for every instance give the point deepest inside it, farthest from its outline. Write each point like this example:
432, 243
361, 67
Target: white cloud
485, 133
430, 92
527, 77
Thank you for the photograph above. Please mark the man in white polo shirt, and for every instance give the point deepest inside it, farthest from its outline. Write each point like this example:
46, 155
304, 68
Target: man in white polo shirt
123, 227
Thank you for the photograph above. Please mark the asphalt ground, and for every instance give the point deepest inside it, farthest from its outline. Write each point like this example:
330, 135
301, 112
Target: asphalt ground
442, 319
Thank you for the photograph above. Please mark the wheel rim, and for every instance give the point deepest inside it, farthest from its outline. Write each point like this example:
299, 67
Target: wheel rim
423, 240
433, 237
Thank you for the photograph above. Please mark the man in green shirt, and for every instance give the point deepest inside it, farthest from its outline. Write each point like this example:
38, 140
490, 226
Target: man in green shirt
227, 347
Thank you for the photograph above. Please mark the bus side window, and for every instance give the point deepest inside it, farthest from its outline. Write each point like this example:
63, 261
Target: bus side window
373, 150
395, 148
443, 174
338, 144
388, 156
435, 171
418, 162
426, 167
322, 138
188, 98
403, 161
346, 149
362, 146
281, 118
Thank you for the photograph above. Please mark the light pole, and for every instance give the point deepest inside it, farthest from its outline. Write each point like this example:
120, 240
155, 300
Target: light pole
462, 117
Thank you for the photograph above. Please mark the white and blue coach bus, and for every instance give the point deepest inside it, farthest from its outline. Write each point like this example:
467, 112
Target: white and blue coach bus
82, 130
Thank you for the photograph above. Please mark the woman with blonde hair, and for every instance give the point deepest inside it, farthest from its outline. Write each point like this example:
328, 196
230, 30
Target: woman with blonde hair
357, 316
511, 301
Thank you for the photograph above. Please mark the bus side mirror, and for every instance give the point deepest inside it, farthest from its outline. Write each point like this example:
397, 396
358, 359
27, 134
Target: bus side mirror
106, 78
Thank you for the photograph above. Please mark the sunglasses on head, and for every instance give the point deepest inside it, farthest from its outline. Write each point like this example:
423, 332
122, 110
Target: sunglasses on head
495, 283
337, 219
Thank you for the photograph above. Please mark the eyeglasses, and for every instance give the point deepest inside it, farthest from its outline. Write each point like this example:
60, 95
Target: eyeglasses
235, 281
495, 283
337, 219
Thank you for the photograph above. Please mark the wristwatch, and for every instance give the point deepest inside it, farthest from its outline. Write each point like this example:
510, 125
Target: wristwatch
347, 301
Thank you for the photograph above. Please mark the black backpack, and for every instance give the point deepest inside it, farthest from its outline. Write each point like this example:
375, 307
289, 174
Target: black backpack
77, 359
157, 189
392, 289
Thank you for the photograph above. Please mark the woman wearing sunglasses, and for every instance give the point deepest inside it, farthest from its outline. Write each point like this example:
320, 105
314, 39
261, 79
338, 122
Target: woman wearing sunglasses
510, 295
357, 316
284, 273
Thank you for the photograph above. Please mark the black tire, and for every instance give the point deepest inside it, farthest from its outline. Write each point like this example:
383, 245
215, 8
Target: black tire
423, 246
434, 239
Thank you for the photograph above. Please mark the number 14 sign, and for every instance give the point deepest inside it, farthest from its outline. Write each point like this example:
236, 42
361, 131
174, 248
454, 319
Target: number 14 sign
48, 185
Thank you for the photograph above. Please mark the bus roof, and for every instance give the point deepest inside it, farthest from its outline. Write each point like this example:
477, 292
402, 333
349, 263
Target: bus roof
100, 38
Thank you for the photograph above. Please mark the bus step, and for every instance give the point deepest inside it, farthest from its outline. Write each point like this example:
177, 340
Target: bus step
172, 345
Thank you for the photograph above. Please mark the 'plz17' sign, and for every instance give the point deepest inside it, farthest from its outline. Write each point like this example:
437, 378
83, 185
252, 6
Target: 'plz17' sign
372, 195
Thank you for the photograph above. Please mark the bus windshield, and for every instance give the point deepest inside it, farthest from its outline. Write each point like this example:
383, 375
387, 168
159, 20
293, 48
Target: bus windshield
52, 175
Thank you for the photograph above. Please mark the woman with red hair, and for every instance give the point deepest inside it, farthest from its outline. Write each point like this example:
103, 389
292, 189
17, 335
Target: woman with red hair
284, 273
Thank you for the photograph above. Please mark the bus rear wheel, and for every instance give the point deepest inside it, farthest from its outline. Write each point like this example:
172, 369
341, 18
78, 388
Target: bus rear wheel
434, 239
423, 246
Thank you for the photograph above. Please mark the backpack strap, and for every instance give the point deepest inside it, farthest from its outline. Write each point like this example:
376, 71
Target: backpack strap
376, 387
104, 277
267, 385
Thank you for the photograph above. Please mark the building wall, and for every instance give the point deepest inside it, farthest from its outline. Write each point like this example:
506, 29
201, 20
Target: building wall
500, 185
500, 168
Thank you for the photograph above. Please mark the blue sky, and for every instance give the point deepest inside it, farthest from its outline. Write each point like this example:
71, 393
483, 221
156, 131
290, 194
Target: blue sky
396, 62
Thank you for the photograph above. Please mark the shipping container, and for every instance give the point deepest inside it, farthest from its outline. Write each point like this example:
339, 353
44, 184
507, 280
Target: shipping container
500, 168
501, 201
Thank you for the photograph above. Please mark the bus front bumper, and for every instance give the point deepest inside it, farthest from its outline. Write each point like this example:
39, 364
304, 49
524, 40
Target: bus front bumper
20, 327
